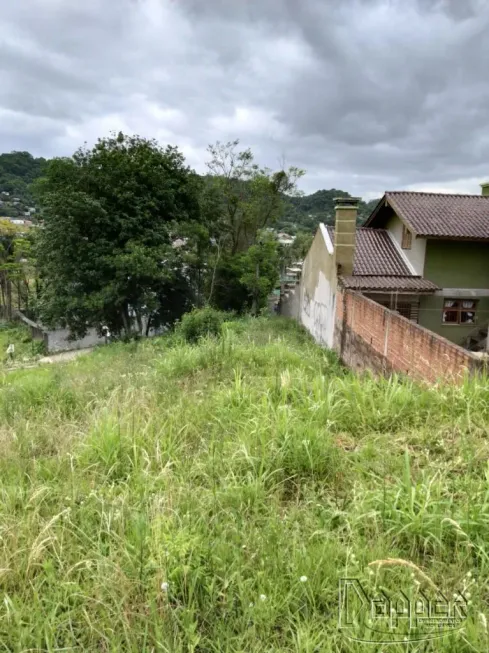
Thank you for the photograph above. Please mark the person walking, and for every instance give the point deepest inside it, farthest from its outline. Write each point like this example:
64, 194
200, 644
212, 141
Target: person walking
107, 334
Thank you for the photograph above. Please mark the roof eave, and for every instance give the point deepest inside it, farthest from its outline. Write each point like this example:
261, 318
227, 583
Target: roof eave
473, 239
385, 291
375, 212
388, 288
388, 201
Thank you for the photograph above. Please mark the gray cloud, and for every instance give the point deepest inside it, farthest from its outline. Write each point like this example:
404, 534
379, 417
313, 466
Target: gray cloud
364, 94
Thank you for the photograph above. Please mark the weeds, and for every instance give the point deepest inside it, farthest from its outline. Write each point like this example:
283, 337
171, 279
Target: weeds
169, 496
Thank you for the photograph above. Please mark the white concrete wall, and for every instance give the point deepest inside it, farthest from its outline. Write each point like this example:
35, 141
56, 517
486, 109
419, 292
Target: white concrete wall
291, 306
416, 255
318, 289
57, 340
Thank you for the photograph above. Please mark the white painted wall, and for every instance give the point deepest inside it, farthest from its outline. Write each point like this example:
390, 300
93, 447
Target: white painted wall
318, 289
58, 340
416, 254
317, 312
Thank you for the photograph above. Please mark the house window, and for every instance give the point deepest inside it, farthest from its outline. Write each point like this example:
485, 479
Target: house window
404, 310
459, 311
407, 237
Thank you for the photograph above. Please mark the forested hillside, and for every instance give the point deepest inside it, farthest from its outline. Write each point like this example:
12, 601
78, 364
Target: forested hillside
17, 171
304, 213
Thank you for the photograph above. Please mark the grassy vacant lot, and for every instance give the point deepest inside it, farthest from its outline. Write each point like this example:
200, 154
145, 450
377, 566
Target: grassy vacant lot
167, 497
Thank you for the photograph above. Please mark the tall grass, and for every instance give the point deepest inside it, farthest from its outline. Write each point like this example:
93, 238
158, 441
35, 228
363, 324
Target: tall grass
175, 497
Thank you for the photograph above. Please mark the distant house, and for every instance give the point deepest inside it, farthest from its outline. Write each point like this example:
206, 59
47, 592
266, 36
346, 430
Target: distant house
285, 239
424, 255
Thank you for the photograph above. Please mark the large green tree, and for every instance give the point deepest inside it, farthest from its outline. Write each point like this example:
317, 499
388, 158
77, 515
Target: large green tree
248, 199
105, 254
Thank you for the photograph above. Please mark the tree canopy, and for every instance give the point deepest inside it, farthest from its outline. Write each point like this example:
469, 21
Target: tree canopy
131, 238
249, 199
105, 253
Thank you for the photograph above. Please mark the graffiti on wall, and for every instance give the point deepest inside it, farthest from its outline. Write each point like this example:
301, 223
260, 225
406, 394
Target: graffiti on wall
318, 314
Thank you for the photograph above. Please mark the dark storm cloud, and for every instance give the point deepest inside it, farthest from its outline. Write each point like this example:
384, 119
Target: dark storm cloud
364, 94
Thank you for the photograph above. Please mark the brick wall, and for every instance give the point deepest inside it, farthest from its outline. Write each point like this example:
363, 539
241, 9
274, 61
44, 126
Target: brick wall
369, 336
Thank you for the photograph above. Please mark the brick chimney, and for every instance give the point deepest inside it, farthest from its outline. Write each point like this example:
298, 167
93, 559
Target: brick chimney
485, 189
346, 209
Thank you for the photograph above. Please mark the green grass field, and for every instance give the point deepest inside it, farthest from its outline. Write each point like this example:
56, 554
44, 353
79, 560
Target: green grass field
26, 349
167, 497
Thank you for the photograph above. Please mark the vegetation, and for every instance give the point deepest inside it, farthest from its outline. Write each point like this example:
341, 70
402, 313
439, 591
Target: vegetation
16, 269
202, 322
161, 496
17, 171
132, 238
248, 200
18, 335
105, 253
307, 211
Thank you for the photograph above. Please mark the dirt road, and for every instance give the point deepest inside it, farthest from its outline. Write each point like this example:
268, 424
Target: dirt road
65, 356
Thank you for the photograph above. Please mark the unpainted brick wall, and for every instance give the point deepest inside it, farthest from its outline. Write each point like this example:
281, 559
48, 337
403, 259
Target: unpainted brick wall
369, 336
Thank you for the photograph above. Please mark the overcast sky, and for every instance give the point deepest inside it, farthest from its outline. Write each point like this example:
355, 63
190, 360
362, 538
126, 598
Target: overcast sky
366, 95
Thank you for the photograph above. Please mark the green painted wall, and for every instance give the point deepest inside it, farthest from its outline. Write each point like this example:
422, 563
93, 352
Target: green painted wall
455, 264
430, 316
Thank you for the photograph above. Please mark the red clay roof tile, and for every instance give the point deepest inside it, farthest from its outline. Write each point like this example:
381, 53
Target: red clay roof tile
439, 215
376, 254
389, 284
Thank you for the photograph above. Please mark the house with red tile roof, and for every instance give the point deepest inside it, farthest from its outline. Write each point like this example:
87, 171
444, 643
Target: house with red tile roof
424, 255
445, 240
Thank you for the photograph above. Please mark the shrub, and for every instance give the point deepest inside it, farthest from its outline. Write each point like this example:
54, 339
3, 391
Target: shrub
202, 322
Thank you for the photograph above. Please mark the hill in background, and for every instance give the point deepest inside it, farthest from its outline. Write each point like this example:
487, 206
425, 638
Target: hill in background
304, 213
19, 169
17, 172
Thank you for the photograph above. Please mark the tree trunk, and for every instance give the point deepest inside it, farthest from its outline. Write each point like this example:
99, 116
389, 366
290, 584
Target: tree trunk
27, 292
4, 301
148, 326
125, 321
9, 300
214, 273
254, 306
140, 323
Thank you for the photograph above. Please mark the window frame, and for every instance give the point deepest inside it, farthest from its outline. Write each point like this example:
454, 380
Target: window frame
459, 308
407, 238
